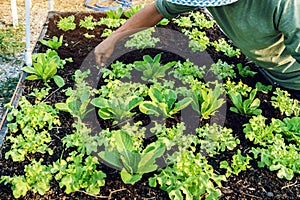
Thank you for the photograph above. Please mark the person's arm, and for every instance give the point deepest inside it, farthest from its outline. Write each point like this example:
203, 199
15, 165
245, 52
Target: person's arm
145, 18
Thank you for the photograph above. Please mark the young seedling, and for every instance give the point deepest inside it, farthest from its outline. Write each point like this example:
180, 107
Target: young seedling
54, 44
67, 23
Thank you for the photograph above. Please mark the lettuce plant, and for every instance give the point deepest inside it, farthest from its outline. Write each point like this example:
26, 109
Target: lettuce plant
123, 150
164, 102
223, 70
190, 177
142, 39
118, 70
183, 21
79, 98
114, 14
245, 71
205, 100
187, 71
200, 20
76, 173
117, 108
277, 144
152, 68
238, 163
132, 10
37, 179
198, 39
67, 23
88, 23
54, 44
45, 66
118, 99
175, 137
214, 139
29, 126
223, 46
283, 101
111, 22
249, 106
263, 88
240, 87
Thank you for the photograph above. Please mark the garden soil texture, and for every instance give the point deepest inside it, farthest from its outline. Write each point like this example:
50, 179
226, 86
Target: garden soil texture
254, 183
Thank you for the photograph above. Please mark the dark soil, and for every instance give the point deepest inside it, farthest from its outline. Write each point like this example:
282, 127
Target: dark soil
255, 183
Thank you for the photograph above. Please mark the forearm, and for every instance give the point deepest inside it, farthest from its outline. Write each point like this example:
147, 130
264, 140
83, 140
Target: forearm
145, 18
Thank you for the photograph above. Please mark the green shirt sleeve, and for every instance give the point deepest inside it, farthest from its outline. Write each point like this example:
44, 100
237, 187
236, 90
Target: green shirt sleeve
171, 10
288, 19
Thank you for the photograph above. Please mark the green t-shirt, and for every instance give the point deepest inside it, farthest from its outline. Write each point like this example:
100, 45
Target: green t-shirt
266, 31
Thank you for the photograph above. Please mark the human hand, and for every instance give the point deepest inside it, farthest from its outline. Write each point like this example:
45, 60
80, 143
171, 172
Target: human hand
103, 51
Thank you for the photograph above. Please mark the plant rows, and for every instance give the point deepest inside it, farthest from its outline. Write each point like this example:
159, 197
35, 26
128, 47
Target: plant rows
175, 156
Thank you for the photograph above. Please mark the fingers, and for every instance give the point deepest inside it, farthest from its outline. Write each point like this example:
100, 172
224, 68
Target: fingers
101, 59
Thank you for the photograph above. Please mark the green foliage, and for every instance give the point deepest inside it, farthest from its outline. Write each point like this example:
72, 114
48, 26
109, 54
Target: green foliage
239, 87
106, 32
11, 41
285, 103
190, 177
76, 173
194, 19
117, 108
245, 71
223, 46
78, 98
117, 100
214, 139
45, 66
111, 22
118, 70
54, 44
123, 150
19, 186
7, 89
175, 137
238, 163
132, 10
37, 179
249, 106
183, 21
163, 22
87, 35
29, 125
205, 100
67, 23
198, 39
81, 139
200, 20
187, 71
163, 102
142, 39
152, 68
223, 70
122, 89
88, 23
263, 88
114, 14
278, 144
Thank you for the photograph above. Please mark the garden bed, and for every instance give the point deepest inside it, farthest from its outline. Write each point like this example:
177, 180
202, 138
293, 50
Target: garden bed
253, 182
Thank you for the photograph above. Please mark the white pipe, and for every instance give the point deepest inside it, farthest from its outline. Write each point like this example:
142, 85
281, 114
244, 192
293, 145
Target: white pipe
14, 12
28, 60
50, 5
